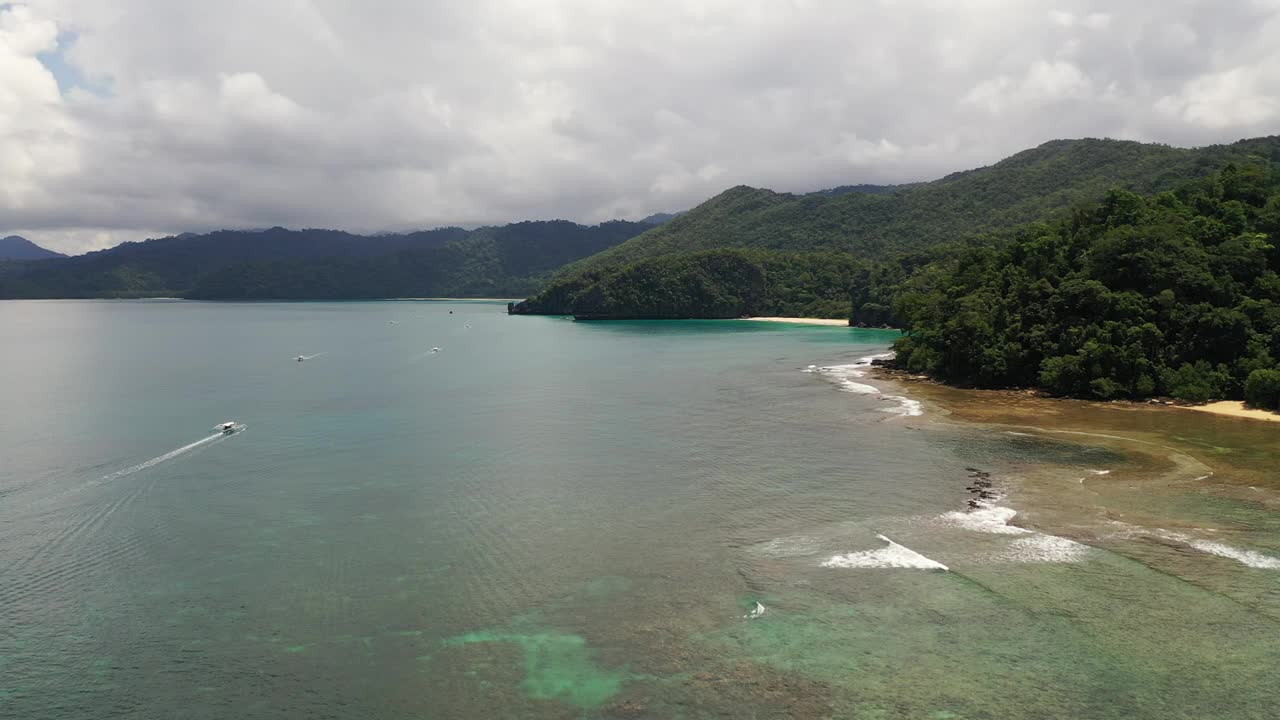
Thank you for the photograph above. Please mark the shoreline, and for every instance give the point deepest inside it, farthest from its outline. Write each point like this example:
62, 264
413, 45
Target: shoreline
1235, 409
831, 322
1220, 408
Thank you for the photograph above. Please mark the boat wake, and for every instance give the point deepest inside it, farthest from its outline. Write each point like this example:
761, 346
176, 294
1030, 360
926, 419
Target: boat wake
220, 435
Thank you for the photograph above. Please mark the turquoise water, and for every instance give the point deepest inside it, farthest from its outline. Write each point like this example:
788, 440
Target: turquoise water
556, 519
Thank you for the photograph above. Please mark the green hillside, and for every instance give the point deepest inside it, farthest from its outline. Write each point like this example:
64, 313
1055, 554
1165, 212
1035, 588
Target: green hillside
726, 283
1023, 188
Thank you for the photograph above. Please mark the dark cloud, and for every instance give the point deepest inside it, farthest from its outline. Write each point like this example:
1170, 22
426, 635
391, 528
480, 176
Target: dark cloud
401, 114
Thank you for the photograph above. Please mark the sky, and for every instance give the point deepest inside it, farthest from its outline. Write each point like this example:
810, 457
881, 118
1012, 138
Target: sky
130, 119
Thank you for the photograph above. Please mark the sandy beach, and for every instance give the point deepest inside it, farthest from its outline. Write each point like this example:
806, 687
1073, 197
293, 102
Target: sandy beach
802, 321
1234, 408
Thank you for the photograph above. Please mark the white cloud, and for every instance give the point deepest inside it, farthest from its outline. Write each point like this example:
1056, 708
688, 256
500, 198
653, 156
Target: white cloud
414, 113
1239, 97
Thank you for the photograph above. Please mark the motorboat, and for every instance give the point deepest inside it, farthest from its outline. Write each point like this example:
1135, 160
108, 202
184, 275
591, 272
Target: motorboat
229, 427
435, 350
301, 358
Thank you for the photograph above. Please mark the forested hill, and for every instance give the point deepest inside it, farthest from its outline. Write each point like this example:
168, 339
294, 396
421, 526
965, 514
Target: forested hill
1023, 188
1176, 294
507, 261
280, 263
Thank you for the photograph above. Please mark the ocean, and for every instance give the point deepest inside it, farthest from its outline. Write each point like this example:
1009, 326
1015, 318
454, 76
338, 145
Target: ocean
550, 519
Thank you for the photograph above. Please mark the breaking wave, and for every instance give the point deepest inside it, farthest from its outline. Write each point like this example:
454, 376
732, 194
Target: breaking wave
892, 556
1251, 558
991, 519
847, 377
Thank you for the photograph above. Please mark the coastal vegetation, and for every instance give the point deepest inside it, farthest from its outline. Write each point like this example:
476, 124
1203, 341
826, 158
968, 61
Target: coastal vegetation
725, 283
859, 243
1175, 293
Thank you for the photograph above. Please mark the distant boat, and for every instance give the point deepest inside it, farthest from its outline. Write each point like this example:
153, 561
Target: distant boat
393, 322
301, 358
229, 427
435, 350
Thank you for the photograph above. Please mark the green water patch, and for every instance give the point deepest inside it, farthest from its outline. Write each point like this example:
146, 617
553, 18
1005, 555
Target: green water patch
1106, 638
556, 667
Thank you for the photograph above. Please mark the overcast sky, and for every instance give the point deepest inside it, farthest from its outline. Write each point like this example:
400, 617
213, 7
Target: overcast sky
128, 119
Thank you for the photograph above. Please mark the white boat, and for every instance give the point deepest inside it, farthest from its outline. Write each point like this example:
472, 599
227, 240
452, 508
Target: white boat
228, 427
301, 358
435, 350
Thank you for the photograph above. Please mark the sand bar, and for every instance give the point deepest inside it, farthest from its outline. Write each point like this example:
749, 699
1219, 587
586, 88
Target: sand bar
802, 321
1235, 408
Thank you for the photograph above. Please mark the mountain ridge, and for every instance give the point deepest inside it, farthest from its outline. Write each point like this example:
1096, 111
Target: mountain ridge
515, 257
1021, 188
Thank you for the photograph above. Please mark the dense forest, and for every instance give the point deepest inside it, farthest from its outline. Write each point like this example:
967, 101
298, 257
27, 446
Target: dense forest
871, 221
709, 284
1174, 293
277, 263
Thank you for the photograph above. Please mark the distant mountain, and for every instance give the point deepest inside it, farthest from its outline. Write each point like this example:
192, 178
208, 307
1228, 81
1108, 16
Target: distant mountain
20, 248
507, 261
280, 263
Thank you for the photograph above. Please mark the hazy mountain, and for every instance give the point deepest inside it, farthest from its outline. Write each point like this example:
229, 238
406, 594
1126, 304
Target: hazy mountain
20, 248
233, 263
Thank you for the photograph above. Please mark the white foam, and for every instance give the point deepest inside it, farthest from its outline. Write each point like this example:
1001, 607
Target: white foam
1252, 558
1039, 547
847, 376
1100, 472
893, 556
906, 406
991, 519
756, 612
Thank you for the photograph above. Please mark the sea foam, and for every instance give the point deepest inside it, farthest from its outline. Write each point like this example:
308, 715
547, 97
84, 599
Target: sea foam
847, 376
1039, 547
1252, 558
893, 556
992, 519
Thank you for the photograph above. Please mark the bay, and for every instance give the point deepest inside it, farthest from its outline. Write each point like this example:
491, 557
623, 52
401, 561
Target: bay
546, 518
